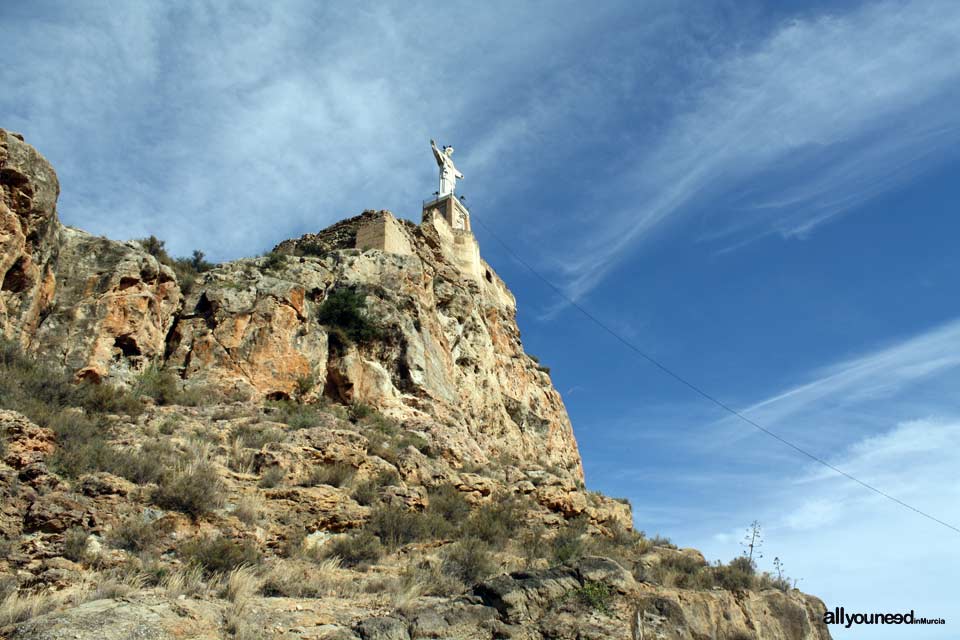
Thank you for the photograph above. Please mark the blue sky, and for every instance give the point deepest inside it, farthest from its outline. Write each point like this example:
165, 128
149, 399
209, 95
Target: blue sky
761, 195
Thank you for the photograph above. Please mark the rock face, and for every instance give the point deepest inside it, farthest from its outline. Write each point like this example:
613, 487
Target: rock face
450, 357
100, 307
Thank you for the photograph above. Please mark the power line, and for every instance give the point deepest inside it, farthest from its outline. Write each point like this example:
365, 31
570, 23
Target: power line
662, 367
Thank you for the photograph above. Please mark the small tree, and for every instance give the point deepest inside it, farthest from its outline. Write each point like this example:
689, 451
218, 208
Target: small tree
345, 310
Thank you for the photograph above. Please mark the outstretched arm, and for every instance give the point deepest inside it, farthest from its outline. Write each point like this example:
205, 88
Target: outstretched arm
437, 154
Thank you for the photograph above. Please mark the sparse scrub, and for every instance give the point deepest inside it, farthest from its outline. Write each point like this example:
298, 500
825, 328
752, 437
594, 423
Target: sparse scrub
495, 522
469, 560
366, 492
568, 544
75, 544
257, 435
448, 503
272, 477
219, 555
356, 549
396, 526
335, 475
135, 534
736, 576
249, 510
194, 489
145, 465
297, 579
274, 261
297, 416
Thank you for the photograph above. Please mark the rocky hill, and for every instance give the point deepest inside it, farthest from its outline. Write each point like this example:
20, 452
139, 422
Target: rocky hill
329, 441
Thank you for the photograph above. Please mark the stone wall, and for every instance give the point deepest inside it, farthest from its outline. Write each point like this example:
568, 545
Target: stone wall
385, 233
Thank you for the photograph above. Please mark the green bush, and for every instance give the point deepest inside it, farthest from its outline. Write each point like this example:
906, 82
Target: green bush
596, 595
274, 261
469, 560
218, 555
357, 549
195, 489
346, 310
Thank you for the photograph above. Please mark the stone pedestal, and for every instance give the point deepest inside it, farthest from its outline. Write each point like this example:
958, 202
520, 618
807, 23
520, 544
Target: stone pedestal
451, 209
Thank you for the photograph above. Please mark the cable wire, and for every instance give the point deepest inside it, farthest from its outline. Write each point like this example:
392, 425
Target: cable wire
662, 367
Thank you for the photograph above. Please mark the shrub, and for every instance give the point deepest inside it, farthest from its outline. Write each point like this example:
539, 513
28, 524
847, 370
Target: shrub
297, 579
469, 561
219, 554
736, 576
159, 384
135, 534
47, 396
274, 261
366, 492
662, 541
346, 310
395, 526
335, 475
358, 411
449, 503
249, 510
75, 544
567, 545
596, 595
195, 489
257, 435
495, 522
147, 464
357, 549
678, 570
272, 477
298, 416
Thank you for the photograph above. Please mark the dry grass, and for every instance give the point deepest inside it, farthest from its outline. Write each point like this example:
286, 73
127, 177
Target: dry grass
239, 456
249, 510
296, 578
186, 581
119, 586
19, 607
240, 585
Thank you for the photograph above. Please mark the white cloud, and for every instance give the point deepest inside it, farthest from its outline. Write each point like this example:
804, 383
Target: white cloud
825, 113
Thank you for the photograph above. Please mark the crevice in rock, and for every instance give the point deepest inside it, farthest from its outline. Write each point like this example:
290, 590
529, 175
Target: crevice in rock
16, 279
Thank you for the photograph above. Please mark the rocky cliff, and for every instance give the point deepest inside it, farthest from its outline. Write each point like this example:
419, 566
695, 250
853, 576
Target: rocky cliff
430, 435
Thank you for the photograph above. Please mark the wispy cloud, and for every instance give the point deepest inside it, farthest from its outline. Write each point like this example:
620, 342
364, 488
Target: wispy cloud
235, 127
825, 113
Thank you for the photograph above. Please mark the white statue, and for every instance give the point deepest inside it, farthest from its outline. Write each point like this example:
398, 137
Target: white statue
448, 171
